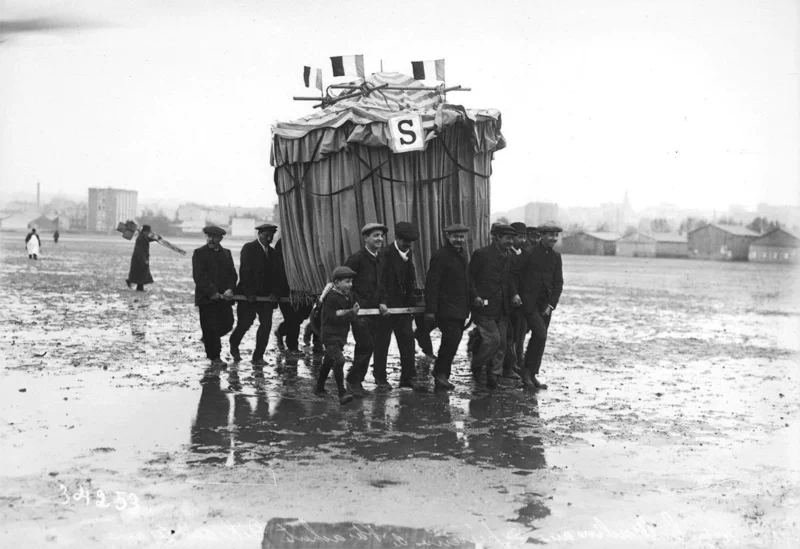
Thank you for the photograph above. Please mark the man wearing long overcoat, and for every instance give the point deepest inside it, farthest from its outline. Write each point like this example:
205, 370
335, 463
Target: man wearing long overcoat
396, 283
449, 294
490, 270
365, 263
139, 272
215, 279
256, 279
542, 281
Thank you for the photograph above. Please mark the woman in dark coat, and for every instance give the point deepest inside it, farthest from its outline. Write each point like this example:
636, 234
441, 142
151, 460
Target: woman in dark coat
140, 260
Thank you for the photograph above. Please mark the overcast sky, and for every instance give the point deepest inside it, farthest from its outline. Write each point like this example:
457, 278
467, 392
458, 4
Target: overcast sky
681, 101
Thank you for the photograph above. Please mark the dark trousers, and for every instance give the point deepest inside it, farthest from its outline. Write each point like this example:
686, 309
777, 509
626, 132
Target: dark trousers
364, 334
492, 350
452, 330
422, 333
334, 360
400, 325
246, 313
515, 342
216, 320
533, 356
293, 317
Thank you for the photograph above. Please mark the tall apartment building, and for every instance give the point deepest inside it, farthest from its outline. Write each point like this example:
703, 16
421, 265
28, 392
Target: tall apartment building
107, 207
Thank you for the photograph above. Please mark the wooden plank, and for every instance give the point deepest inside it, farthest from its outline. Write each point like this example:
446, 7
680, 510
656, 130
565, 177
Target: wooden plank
392, 311
269, 299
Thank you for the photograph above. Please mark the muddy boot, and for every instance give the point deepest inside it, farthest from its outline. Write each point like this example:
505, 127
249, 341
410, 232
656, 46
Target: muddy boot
511, 374
538, 384
320, 391
279, 337
345, 397
527, 381
442, 383
491, 381
383, 386
352, 389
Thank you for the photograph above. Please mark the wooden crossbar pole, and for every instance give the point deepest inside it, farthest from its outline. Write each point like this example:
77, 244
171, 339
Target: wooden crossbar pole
392, 311
305, 98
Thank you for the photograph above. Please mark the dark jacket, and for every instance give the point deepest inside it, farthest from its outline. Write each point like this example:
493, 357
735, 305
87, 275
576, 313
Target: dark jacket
365, 284
518, 262
490, 270
140, 261
396, 278
257, 270
542, 279
448, 288
213, 272
280, 284
336, 328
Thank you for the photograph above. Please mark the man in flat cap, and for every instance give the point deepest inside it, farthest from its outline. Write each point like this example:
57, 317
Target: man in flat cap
215, 279
517, 325
542, 282
533, 238
256, 279
449, 294
474, 336
396, 285
490, 270
365, 263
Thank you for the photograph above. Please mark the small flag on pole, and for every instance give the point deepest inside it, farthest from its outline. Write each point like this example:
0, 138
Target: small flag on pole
428, 70
312, 76
352, 65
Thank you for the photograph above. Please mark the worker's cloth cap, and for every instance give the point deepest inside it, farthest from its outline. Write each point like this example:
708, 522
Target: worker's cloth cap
267, 227
519, 227
342, 272
214, 231
369, 228
503, 229
406, 231
456, 228
549, 227
146, 228
533, 230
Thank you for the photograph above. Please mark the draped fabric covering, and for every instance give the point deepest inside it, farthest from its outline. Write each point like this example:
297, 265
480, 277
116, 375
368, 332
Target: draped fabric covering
335, 172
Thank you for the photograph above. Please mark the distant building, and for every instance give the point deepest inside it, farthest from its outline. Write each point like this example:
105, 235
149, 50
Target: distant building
777, 246
202, 215
653, 245
107, 207
18, 221
537, 213
589, 243
720, 242
671, 245
636, 245
243, 227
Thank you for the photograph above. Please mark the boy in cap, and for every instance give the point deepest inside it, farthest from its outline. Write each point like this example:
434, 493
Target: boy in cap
542, 282
396, 283
365, 264
449, 294
490, 270
256, 279
339, 309
215, 278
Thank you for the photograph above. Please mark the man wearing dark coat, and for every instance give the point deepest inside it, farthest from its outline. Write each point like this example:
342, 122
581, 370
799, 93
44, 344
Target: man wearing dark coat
139, 272
215, 279
490, 271
256, 279
288, 331
448, 296
542, 282
365, 263
518, 327
396, 285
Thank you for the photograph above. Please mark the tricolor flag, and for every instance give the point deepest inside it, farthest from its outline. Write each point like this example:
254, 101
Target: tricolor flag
428, 70
316, 74
352, 65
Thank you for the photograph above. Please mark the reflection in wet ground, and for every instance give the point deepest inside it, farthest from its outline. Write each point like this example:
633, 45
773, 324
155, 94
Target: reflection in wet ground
283, 533
236, 425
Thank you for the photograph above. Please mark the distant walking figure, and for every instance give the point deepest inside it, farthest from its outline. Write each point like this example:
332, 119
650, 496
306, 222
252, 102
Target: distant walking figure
32, 244
139, 273
56, 236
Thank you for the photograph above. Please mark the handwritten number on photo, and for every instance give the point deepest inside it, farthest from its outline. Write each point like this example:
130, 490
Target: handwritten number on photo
83, 494
101, 500
65, 494
120, 499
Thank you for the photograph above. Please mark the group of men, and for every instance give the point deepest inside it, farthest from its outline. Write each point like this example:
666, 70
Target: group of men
507, 288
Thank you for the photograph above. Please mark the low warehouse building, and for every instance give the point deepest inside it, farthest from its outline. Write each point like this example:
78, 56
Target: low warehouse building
585, 243
777, 246
721, 242
636, 245
671, 245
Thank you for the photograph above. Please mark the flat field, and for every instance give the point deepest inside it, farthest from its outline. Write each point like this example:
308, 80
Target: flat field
671, 420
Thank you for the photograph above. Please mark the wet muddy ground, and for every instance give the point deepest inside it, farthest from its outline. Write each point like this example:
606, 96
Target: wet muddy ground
671, 420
